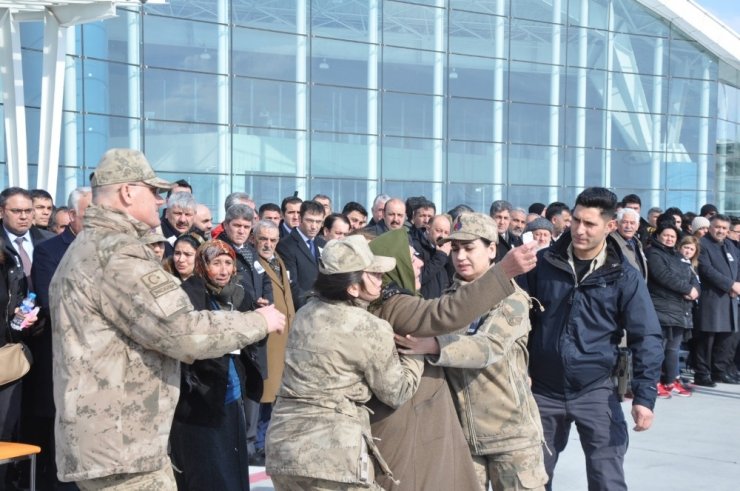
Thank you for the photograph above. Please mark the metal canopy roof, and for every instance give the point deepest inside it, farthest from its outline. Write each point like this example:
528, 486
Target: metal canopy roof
40, 5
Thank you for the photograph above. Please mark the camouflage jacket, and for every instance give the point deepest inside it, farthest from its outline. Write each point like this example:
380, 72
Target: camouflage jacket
336, 358
490, 380
122, 327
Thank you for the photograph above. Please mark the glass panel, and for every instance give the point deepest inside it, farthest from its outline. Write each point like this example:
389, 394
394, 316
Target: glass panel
471, 76
408, 188
106, 88
530, 82
639, 165
530, 123
339, 63
336, 109
409, 115
630, 16
177, 147
594, 127
595, 87
32, 62
33, 121
593, 169
339, 155
596, 17
474, 161
109, 39
532, 41
342, 20
637, 54
268, 189
634, 131
104, 132
498, 7
182, 96
265, 54
475, 34
266, 103
595, 42
686, 132
685, 200
682, 169
205, 188
341, 191
170, 43
262, 150
32, 35
477, 196
530, 164
637, 93
408, 25
409, 70
206, 10
275, 15
69, 179
523, 196
689, 60
686, 96
539, 10
409, 158
472, 119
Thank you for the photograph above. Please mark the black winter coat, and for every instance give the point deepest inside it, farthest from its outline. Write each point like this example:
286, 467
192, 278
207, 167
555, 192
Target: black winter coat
718, 270
669, 280
573, 346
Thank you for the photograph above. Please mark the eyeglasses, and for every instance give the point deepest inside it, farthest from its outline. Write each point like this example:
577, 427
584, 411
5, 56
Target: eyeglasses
19, 211
155, 191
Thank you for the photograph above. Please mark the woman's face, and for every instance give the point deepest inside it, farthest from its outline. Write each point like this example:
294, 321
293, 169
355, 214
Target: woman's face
158, 248
220, 269
417, 264
472, 258
184, 257
372, 283
667, 237
688, 250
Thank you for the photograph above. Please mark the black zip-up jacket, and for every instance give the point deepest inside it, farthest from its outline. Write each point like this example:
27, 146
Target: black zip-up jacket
574, 342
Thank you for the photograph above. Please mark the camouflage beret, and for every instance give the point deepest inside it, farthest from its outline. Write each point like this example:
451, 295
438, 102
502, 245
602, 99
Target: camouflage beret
471, 226
352, 254
154, 236
123, 165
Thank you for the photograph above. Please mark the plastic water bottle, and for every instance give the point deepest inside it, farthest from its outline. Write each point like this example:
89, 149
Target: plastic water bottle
26, 308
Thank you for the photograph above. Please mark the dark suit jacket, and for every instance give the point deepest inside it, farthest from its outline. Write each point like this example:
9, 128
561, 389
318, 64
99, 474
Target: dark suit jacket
301, 264
46, 257
718, 270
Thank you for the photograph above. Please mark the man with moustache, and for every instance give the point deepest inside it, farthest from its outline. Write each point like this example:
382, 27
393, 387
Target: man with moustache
517, 223
203, 220
394, 217
179, 218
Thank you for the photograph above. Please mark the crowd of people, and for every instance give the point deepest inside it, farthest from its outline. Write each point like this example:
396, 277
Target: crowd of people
397, 348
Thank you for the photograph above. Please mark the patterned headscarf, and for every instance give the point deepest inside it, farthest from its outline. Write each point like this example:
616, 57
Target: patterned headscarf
208, 252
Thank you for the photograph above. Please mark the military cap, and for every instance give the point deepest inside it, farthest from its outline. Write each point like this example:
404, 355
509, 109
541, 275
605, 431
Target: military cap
154, 236
352, 254
122, 165
539, 224
471, 226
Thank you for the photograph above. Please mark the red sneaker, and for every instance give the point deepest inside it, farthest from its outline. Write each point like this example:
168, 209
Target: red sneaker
677, 389
664, 392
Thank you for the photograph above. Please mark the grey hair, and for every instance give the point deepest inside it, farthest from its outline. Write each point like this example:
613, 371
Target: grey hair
239, 211
499, 205
520, 210
379, 198
264, 224
655, 209
182, 200
235, 198
73, 202
627, 211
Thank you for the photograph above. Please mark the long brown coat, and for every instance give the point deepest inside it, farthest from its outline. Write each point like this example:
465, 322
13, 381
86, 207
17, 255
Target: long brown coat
422, 441
276, 342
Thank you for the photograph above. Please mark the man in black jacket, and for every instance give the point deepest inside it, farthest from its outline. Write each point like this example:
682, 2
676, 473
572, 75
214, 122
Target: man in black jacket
590, 296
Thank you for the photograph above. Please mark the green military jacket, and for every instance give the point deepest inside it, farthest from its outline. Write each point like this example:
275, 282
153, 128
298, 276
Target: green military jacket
486, 368
337, 357
122, 327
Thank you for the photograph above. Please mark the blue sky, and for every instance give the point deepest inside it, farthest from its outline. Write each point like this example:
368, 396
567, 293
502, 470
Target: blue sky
728, 11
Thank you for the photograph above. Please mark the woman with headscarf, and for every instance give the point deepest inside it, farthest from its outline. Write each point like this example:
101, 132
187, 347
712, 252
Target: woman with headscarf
422, 441
209, 433
338, 356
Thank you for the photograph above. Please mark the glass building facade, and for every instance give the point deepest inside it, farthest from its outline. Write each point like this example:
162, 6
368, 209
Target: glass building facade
463, 101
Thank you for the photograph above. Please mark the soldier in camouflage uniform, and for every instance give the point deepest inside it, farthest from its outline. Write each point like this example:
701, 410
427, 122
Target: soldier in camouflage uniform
486, 367
337, 356
123, 326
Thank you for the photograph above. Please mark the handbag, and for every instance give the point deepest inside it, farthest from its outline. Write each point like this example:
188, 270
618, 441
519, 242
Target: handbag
15, 362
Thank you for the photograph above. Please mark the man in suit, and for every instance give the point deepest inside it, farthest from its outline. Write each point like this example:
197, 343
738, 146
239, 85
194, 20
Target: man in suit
179, 218
301, 250
500, 211
291, 211
266, 237
38, 397
718, 309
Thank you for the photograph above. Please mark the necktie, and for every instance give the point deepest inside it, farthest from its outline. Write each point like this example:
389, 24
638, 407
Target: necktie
312, 248
25, 260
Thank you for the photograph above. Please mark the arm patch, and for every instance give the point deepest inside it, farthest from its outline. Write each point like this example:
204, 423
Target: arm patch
159, 283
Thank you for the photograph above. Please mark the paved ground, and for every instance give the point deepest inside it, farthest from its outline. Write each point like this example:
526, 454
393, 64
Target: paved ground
694, 444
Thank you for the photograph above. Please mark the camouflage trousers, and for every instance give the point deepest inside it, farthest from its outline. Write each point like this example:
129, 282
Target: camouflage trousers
518, 470
161, 480
296, 483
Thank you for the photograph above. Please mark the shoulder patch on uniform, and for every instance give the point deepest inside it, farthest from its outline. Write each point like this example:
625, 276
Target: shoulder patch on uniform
159, 283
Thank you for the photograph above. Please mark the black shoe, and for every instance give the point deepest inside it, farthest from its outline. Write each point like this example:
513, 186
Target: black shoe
726, 378
704, 382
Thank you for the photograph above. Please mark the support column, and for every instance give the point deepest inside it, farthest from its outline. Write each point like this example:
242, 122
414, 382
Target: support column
69, 122
498, 99
657, 147
301, 99
702, 159
438, 102
135, 101
225, 173
608, 100
11, 70
554, 138
373, 60
579, 178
